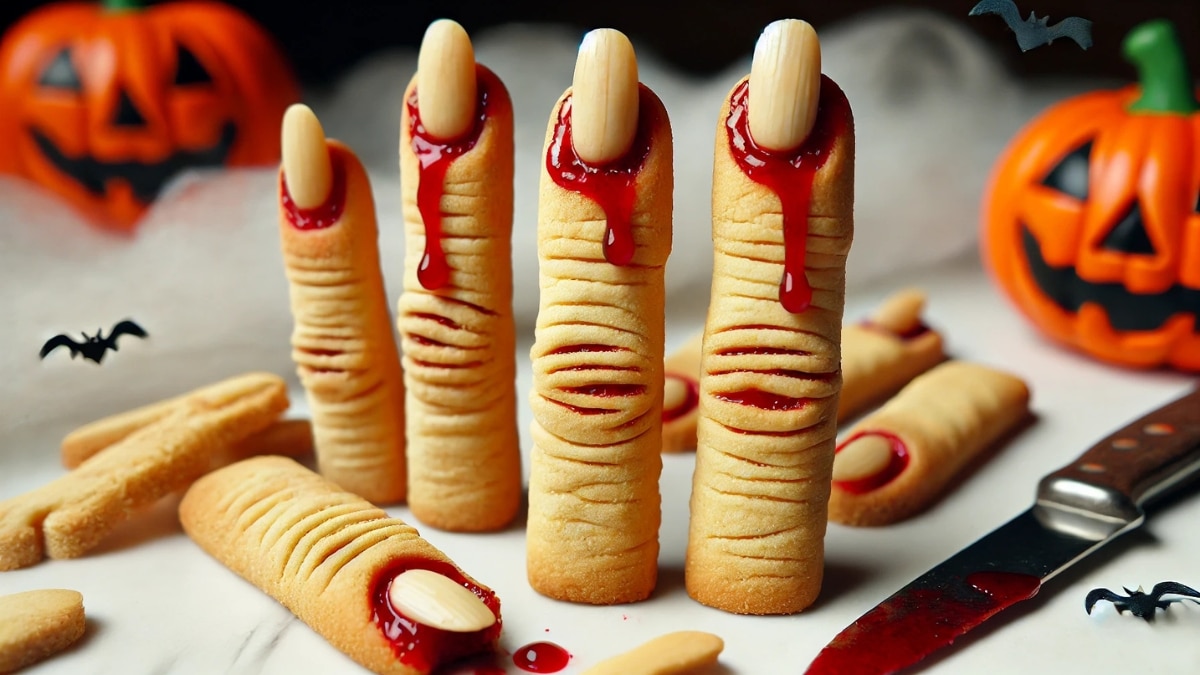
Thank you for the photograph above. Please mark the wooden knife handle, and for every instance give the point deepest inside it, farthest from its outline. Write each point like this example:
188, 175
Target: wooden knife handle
1118, 475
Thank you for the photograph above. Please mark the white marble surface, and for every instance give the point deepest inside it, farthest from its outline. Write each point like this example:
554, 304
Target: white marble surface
157, 604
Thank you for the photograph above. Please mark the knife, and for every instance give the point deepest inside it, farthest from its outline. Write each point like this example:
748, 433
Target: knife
1079, 508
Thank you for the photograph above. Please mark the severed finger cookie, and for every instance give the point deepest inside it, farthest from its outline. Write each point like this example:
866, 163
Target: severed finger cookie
342, 341
70, 515
455, 316
366, 582
604, 234
901, 458
681, 396
292, 438
770, 366
886, 351
35, 625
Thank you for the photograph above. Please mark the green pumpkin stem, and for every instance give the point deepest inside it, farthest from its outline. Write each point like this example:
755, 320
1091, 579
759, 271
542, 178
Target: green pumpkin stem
122, 5
1153, 48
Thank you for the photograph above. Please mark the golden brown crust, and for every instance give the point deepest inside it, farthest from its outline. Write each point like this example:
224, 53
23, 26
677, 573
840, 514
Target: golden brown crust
771, 467
69, 516
945, 419
594, 507
316, 549
35, 625
464, 455
284, 437
342, 343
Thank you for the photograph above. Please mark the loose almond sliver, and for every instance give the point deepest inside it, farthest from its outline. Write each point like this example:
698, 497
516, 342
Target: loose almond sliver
670, 654
437, 601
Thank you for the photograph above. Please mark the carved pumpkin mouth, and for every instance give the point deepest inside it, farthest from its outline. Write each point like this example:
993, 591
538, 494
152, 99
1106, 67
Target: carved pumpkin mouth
145, 179
1126, 311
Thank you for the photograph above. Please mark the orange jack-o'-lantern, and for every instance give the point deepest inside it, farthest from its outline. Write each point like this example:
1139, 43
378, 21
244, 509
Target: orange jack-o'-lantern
103, 103
1091, 223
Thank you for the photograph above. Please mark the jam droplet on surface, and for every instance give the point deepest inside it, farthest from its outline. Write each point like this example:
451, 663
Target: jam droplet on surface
424, 647
328, 212
899, 461
541, 657
611, 186
790, 176
434, 157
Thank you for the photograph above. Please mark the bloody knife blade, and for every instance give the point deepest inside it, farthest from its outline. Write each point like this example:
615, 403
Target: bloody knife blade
1079, 508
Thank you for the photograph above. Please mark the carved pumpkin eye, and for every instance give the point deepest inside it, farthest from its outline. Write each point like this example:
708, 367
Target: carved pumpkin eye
188, 69
1070, 176
1129, 234
61, 73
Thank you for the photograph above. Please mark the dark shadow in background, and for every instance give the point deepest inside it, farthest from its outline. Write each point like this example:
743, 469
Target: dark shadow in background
699, 37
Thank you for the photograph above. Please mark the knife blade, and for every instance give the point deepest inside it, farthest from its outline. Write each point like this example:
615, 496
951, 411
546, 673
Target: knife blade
1078, 509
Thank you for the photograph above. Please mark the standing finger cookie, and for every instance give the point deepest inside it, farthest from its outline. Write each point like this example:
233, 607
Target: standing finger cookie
886, 351
455, 315
342, 340
366, 582
783, 181
902, 457
604, 233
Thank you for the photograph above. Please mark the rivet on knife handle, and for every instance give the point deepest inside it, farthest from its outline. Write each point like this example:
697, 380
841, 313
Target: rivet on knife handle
1104, 489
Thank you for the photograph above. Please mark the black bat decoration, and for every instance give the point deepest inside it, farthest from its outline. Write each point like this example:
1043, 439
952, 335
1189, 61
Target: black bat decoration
94, 347
1035, 32
1142, 605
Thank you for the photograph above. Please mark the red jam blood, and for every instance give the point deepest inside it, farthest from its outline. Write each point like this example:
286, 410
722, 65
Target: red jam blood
424, 647
790, 176
607, 390
897, 464
541, 657
906, 627
611, 186
757, 398
690, 400
328, 212
434, 156
582, 349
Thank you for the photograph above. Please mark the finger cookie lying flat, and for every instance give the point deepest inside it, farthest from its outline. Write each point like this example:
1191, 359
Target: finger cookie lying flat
886, 351
670, 654
37, 624
901, 458
284, 437
366, 582
681, 396
70, 515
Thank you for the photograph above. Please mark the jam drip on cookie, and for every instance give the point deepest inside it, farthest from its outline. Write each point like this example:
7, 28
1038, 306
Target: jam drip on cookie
611, 186
434, 158
328, 212
790, 176
422, 647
